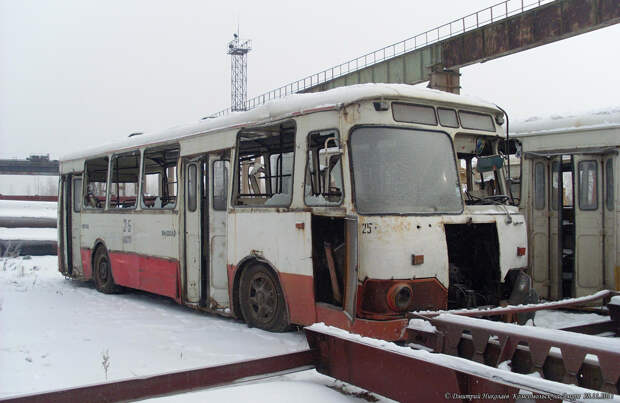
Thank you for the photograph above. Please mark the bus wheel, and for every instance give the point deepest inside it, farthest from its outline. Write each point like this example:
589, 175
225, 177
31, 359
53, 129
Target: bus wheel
261, 299
102, 273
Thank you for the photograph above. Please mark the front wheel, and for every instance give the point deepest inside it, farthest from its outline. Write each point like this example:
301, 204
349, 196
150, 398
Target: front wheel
261, 299
102, 273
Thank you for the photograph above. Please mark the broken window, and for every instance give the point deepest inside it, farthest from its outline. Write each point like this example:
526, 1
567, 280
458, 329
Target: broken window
96, 182
159, 181
264, 168
323, 185
125, 172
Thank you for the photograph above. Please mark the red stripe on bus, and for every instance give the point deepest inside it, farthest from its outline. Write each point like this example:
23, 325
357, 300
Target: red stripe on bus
299, 293
86, 263
152, 274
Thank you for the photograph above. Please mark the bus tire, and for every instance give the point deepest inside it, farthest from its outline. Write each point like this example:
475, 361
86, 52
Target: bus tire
102, 273
261, 299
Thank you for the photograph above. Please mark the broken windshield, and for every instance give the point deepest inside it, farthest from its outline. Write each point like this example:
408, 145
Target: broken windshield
404, 171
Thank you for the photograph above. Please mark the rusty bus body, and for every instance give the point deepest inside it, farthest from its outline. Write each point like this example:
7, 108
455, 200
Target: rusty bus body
343, 207
569, 191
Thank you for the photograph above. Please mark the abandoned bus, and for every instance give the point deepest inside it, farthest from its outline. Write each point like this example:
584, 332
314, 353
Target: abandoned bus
344, 207
569, 171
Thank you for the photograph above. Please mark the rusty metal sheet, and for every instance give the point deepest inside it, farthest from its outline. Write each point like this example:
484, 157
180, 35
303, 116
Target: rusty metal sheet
175, 382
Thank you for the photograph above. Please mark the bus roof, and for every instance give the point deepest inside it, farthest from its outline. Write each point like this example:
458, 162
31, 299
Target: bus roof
556, 124
287, 106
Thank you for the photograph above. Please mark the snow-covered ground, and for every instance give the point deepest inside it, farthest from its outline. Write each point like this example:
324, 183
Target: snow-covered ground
54, 333
38, 234
15, 208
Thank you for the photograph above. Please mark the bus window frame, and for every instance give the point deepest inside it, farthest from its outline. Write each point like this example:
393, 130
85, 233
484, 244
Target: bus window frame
342, 170
143, 174
85, 183
138, 183
235, 190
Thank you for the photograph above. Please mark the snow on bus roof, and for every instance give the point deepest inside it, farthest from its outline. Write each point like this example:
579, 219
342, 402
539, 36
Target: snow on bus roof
294, 103
595, 119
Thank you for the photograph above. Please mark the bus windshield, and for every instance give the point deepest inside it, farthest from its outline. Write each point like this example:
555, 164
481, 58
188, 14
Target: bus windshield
404, 171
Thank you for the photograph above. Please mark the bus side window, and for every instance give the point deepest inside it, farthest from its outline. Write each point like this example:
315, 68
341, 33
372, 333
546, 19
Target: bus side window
264, 169
96, 183
125, 171
539, 186
323, 185
609, 184
220, 184
159, 181
77, 195
588, 192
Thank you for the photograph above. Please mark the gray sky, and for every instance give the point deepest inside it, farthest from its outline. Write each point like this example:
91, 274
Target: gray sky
78, 73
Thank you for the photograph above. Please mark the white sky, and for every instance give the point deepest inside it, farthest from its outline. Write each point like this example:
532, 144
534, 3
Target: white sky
77, 73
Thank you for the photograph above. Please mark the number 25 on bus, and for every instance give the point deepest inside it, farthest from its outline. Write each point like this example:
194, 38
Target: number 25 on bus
349, 207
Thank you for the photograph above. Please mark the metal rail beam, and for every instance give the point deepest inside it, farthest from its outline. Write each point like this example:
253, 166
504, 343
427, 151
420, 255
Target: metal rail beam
175, 382
555, 354
29, 167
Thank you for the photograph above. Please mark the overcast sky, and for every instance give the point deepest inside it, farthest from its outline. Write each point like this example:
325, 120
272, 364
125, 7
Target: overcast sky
78, 73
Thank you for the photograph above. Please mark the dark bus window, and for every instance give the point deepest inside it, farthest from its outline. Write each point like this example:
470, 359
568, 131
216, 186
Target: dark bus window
588, 192
609, 184
220, 184
191, 188
77, 195
539, 186
555, 183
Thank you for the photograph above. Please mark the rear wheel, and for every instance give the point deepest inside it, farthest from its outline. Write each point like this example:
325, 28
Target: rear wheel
261, 299
102, 273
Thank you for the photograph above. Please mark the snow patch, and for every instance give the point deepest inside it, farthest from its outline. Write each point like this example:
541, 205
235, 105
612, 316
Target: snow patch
421, 324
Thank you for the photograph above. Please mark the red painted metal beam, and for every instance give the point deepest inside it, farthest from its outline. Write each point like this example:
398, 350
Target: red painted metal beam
175, 382
398, 376
29, 198
605, 294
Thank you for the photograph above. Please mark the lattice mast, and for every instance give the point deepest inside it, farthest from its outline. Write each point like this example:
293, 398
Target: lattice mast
238, 50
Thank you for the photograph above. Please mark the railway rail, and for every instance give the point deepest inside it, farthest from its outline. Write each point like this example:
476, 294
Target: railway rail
471, 358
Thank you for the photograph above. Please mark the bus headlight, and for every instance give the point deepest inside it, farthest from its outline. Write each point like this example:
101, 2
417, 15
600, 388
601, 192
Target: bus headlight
399, 297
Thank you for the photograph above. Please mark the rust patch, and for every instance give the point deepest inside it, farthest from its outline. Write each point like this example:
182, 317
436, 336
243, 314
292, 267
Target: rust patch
609, 10
578, 15
496, 40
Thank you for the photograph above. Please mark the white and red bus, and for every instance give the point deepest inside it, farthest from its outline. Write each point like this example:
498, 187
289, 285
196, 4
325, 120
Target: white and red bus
349, 207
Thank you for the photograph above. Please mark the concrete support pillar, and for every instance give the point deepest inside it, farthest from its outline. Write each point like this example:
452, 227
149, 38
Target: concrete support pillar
445, 80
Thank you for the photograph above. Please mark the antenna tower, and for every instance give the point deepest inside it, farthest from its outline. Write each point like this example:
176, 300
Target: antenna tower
238, 50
